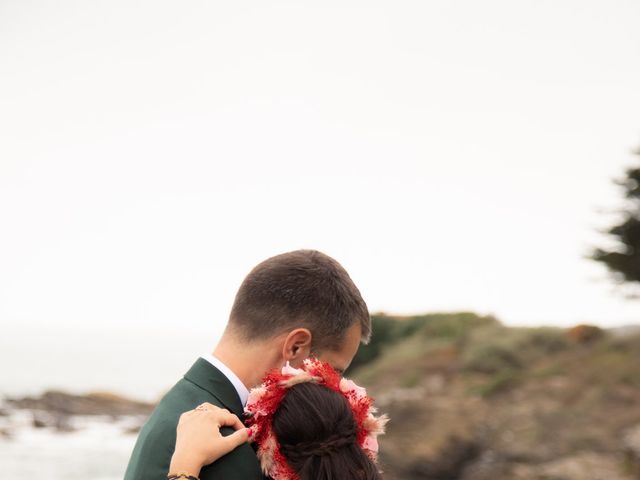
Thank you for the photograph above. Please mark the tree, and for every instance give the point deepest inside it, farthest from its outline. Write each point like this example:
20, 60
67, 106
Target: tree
623, 261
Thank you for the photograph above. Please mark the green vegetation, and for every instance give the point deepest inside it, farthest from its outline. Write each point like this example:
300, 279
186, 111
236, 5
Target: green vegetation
440, 328
623, 261
497, 383
490, 357
500, 349
459, 384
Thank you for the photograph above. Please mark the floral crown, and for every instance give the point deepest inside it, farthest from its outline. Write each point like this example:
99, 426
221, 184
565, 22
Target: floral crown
264, 401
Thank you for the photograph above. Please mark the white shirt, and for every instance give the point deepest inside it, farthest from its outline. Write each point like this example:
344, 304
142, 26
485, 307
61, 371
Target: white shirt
243, 392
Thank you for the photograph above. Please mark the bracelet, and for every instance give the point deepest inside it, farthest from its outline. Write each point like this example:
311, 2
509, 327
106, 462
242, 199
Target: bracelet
178, 476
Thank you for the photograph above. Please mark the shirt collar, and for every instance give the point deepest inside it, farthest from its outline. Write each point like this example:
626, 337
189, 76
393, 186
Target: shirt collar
243, 392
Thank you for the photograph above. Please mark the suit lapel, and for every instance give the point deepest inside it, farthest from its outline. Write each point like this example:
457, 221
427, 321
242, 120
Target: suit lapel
209, 378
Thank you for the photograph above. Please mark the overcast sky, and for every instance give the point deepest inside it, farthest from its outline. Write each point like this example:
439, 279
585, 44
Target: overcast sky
450, 154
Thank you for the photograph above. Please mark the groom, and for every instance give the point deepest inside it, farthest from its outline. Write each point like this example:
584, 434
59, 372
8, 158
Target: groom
289, 307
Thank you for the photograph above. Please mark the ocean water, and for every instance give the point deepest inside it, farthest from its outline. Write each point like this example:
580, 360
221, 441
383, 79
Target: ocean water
137, 363
99, 449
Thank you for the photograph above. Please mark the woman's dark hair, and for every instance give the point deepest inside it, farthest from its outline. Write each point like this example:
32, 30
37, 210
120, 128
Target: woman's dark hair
316, 431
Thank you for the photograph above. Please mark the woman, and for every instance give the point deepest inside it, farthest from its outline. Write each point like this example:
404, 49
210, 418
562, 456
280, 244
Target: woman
309, 424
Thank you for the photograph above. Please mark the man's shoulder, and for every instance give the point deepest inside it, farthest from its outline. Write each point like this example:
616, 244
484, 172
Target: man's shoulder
156, 440
183, 396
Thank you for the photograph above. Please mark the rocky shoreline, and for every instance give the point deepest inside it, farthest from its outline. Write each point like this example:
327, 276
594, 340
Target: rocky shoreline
65, 412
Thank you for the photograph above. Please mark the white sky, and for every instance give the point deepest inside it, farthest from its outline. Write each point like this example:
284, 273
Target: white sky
451, 154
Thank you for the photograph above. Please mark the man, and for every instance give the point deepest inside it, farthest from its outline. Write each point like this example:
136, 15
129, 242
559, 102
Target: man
288, 308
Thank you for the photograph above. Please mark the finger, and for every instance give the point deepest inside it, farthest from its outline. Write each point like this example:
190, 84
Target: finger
187, 414
227, 419
236, 439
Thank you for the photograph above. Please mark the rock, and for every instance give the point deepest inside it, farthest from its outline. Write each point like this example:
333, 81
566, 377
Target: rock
583, 466
64, 404
631, 443
489, 465
38, 422
57, 421
63, 424
449, 463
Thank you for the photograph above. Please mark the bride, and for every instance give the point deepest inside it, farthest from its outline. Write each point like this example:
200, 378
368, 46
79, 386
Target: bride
307, 424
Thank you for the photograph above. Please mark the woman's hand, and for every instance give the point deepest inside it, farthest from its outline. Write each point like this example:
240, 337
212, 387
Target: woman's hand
199, 441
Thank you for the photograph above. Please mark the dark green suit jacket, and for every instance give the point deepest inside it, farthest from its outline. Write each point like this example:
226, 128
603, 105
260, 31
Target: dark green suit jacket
152, 452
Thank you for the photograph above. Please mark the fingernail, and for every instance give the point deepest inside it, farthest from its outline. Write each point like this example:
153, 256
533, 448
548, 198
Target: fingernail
250, 432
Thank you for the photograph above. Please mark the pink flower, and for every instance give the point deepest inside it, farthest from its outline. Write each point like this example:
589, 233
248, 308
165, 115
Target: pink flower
371, 443
256, 394
289, 370
349, 386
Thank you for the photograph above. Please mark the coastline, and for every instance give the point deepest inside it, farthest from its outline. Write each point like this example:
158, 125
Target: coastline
69, 436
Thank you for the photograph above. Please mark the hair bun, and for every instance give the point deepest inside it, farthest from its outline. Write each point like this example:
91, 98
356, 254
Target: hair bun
318, 449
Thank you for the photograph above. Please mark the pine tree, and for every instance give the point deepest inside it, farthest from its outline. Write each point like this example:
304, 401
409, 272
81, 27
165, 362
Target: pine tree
624, 261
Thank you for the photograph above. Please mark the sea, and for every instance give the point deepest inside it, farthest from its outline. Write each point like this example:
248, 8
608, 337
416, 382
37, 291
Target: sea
139, 363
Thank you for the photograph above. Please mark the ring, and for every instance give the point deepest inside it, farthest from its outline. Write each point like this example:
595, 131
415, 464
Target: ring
201, 407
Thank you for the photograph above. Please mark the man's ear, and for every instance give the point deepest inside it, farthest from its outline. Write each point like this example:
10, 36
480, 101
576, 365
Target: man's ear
297, 346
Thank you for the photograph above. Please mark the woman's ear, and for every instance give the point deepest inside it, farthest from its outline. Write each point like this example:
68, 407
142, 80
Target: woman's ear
297, 346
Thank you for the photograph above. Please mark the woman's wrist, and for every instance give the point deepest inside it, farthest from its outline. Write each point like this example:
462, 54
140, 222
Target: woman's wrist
181, 463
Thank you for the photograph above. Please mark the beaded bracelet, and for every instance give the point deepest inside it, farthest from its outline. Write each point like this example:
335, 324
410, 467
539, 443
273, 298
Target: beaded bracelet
178, 476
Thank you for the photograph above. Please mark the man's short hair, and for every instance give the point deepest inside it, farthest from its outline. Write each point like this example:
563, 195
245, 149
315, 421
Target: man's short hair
300, 289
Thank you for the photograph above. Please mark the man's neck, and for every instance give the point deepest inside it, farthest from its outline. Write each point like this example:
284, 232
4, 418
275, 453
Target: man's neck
249, 361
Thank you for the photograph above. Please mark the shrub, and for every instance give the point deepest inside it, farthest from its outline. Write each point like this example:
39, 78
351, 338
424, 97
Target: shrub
499, 383
585, 333
496, 349
388, 330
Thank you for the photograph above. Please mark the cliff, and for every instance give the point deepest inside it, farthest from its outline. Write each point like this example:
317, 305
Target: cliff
471, 399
